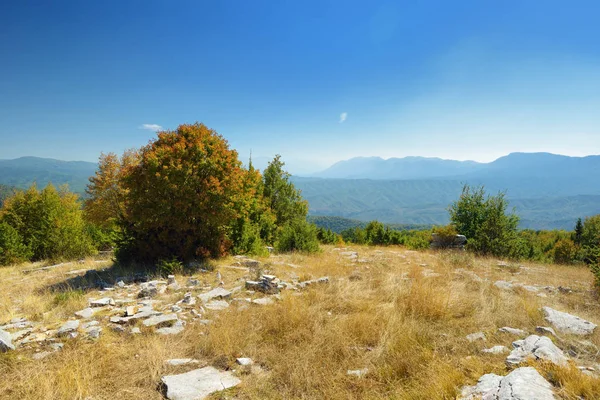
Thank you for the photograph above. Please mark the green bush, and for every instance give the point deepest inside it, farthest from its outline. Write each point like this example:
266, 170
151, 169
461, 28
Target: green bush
247, 239
12, 248
565, 251
169, 267
50, 223
300, 236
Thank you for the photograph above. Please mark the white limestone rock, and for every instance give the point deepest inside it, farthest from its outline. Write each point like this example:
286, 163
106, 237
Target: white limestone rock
160, 321
476, 336
69, 328
5, 341
568, 323
217, 293
521, 384
538, 347
513, 331
175, 362
86, 313
217, 305
198, 384
496, 350
105, 301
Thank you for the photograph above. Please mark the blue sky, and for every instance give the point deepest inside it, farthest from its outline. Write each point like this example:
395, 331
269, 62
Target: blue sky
316, 81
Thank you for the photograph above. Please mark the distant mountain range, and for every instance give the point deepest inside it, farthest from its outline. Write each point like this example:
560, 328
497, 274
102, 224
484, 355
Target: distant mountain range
548, 191
22, 172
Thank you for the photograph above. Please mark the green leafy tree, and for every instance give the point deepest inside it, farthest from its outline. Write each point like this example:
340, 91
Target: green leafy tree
284, 200
50, 223
12, 248
578, 234
486, 224
565, 251
298, 235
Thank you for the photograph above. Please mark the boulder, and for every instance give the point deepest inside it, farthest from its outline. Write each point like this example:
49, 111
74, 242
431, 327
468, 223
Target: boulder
5, 341
538, 347
521, 384
198, 384
568, 323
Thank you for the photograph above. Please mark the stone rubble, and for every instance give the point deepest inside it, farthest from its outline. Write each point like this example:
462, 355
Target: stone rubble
536, 347
521, 384
567, 323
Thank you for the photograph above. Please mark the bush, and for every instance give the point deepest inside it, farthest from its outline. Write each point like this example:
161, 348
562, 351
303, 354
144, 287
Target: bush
565, 251
300, 236
485, 223
12, 248
247, 239
50, 223
169, 267
445, 236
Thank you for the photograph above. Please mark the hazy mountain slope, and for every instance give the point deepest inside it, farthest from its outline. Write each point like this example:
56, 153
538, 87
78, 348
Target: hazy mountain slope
398, 168
24, 171
426, 202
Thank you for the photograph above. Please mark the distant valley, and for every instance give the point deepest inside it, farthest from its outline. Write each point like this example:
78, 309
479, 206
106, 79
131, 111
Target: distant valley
548, 191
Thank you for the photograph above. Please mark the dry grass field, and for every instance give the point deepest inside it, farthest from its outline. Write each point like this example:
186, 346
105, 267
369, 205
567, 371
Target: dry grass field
401, 316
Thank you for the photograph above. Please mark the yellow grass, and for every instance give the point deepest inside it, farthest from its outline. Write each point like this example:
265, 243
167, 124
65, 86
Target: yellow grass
382, 314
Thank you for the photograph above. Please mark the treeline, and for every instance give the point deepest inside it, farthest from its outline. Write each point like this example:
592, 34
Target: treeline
185, 196
339, 224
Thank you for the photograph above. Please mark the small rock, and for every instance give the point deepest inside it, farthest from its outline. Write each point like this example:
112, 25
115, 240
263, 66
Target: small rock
198, 384
171, 330
243, 361
217, 305
5, 341
217, 293
105, 301
175, 362
86, 313
264, 301
359, 373
496, 350
513, 331
68, 328
161, 320
545, 330
476, 336
136, 331
504, 285
188, 299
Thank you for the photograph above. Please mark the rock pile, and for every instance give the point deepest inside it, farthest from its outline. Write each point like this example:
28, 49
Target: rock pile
268, 284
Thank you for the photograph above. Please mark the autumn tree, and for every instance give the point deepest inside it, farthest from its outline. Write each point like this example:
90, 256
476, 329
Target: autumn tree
105, 205
183, 196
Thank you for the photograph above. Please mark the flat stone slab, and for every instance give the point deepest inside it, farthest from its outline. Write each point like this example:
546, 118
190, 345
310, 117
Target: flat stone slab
182, 361
171, 330
161, 320
198, 384
512, 331
217, 293
68, 327
86, 313
538, 347
496, 350
568, 323
5, 341
521, 384
105, 301
217, 305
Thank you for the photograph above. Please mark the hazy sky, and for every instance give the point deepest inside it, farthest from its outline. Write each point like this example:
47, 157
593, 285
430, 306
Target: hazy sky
316, 81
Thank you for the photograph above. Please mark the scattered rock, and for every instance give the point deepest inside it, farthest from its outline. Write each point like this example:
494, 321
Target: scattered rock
538, 347
264, 301
69, 328
217, 305
136, 331
160, 321
521, 384
193, 282
105, 301
545, 330
5, 341
86, 313
359, 373
568, 323
182, 361
171, 330
268, 284
217, 293
496, 350
243, 361
504, 285
187, 300
513, 331
198, 384
476, 336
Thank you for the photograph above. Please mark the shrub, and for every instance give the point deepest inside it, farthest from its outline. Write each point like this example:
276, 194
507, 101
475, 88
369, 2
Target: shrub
445, 236
12, 248
50, 223
485, 223
565, 251
298, 235
247, 239
169, 267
